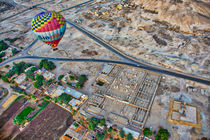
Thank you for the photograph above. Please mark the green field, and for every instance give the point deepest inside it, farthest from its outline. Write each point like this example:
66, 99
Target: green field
42, 107
20, 118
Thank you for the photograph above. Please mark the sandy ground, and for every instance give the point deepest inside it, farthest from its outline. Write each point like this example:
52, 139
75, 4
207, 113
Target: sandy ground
138, 36
9, 101
89, 69
143, 38
135, 37
73, 45
169, 90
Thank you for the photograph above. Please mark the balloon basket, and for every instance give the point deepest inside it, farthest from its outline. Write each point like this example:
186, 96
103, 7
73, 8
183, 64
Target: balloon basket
55, 49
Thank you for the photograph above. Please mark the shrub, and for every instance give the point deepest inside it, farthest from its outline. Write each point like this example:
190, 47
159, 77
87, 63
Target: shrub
162, 134
147, 132
14, 51
129, 137
78, 85
2, 54
55, 99
82, 78
48, 65
100, 136
5, 79
122, 133
7, 66
30, 73
76, 124
60, 77
81, 121
71, 77
92, 123
102, 122
64, 98
37, 84
109, 130
3, 46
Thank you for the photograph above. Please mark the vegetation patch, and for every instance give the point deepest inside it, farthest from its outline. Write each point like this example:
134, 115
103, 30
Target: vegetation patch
77, 82
39, 81
147, 132
22, 116
48, 65
18, 90
18, 68
162, 134
42, 107
3, 46
64, 98
92, 123
30, 73
15, 51
11, 40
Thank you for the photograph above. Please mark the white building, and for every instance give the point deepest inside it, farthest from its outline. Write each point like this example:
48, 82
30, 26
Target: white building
20, 79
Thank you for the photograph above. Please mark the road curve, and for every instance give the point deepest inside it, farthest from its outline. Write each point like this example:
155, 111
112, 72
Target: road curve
75, 6
131, 61
180, 75
31, 7
138, 62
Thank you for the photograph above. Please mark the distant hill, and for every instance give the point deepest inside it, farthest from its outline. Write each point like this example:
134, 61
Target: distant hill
189, 15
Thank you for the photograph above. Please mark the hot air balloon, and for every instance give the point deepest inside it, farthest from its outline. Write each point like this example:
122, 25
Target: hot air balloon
49, 27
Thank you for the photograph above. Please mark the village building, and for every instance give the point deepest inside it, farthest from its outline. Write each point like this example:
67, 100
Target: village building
20, 79
48, 75
58, 90
49, 89
65, 79
75, 103
76, 133
25, 85
106, 69
39, 72
74, 93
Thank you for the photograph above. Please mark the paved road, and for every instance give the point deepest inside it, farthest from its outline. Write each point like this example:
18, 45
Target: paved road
154, 69
127, 60
34, 6
75, 6
68, 7
139, 63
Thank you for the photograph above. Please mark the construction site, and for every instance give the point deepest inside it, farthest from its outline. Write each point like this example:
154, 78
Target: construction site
123, 95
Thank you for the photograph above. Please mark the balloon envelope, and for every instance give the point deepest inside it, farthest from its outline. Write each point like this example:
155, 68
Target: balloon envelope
49, 27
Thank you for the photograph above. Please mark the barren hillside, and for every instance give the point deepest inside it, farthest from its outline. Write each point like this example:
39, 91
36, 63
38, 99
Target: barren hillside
189, 15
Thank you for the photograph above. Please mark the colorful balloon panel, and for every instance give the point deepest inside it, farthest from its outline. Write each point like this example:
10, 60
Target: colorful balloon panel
49, 27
